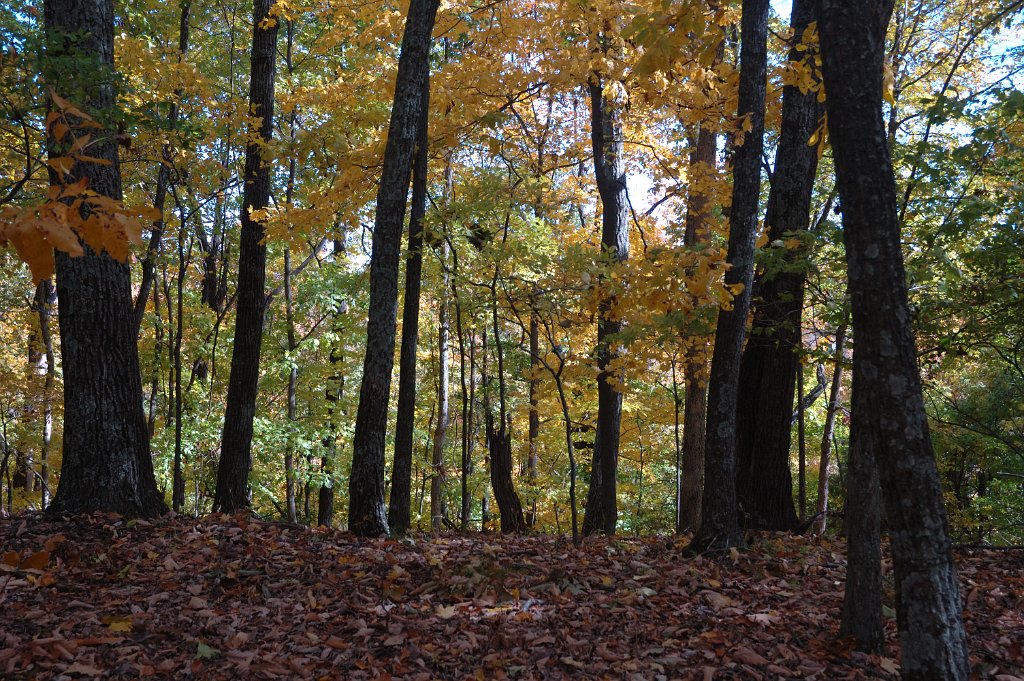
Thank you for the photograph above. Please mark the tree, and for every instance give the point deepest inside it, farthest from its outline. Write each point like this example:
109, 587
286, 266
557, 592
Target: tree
366, 513
764, 486
399, 511
888, 409
236, 443
719, 527
610, 172
106, 462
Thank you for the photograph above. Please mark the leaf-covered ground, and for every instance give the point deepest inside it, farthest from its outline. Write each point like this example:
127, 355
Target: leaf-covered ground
223, 598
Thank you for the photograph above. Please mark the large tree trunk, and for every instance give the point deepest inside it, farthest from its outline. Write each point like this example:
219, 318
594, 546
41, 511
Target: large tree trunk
236, 444
610, 172
695, 399
399, 512
719, 527
862, 599
889, 420
764, 409
366, 513
106, 464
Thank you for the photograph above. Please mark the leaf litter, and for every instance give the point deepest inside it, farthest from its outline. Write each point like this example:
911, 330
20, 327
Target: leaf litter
226, 597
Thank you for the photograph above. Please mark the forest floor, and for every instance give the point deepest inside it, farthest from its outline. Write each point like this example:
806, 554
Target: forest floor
224, 598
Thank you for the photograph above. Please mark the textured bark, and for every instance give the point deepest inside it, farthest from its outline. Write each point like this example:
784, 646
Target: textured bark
534, 424
889, 419
821, 506
106, 464
399, 511
695, 399
366, 512
610, 172
862, 598
764, 485
232, 491
719, 527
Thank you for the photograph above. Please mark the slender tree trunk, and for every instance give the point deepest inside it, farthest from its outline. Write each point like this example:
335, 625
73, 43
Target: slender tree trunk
499, 439
534, 423
437, 479
366, 515
610, 172
45, 298
106, 464
467, 427
764, 484
163, 179
399, 513
695, 371
232, 491
889, 420
821, 506
719, 527
178, 482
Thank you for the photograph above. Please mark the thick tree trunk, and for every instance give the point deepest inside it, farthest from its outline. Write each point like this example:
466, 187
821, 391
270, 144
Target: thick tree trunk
889, 420
821, 506
719, 527
399, 512
106, 465
366, 513
610, 172
764, 485
695, 372
236, 444
862, 599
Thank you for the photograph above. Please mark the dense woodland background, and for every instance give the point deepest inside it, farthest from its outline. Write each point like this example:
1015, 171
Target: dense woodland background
513, 281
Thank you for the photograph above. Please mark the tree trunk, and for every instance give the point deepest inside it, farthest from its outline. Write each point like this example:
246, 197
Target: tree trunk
236, 443
862, 599
366, 513
821, 506
719, 527
437, 479
45, 299
399, 513
534, 424
695, 372
889, 418
106, 465
764, 484
610, 172
178, 476
499, 439
163, 179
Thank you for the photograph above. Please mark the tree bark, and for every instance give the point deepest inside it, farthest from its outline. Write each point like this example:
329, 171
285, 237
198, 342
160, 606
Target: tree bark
399, 511
610, 173
889, 420
695, 372
764, 485
821, 506
367, 516
236, 444
719, 527
106, 464
437, 502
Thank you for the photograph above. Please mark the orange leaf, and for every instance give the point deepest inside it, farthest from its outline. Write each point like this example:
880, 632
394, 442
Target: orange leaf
11, 558
37, 561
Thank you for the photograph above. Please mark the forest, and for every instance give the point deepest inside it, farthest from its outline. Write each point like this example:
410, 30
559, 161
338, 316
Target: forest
516, 287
